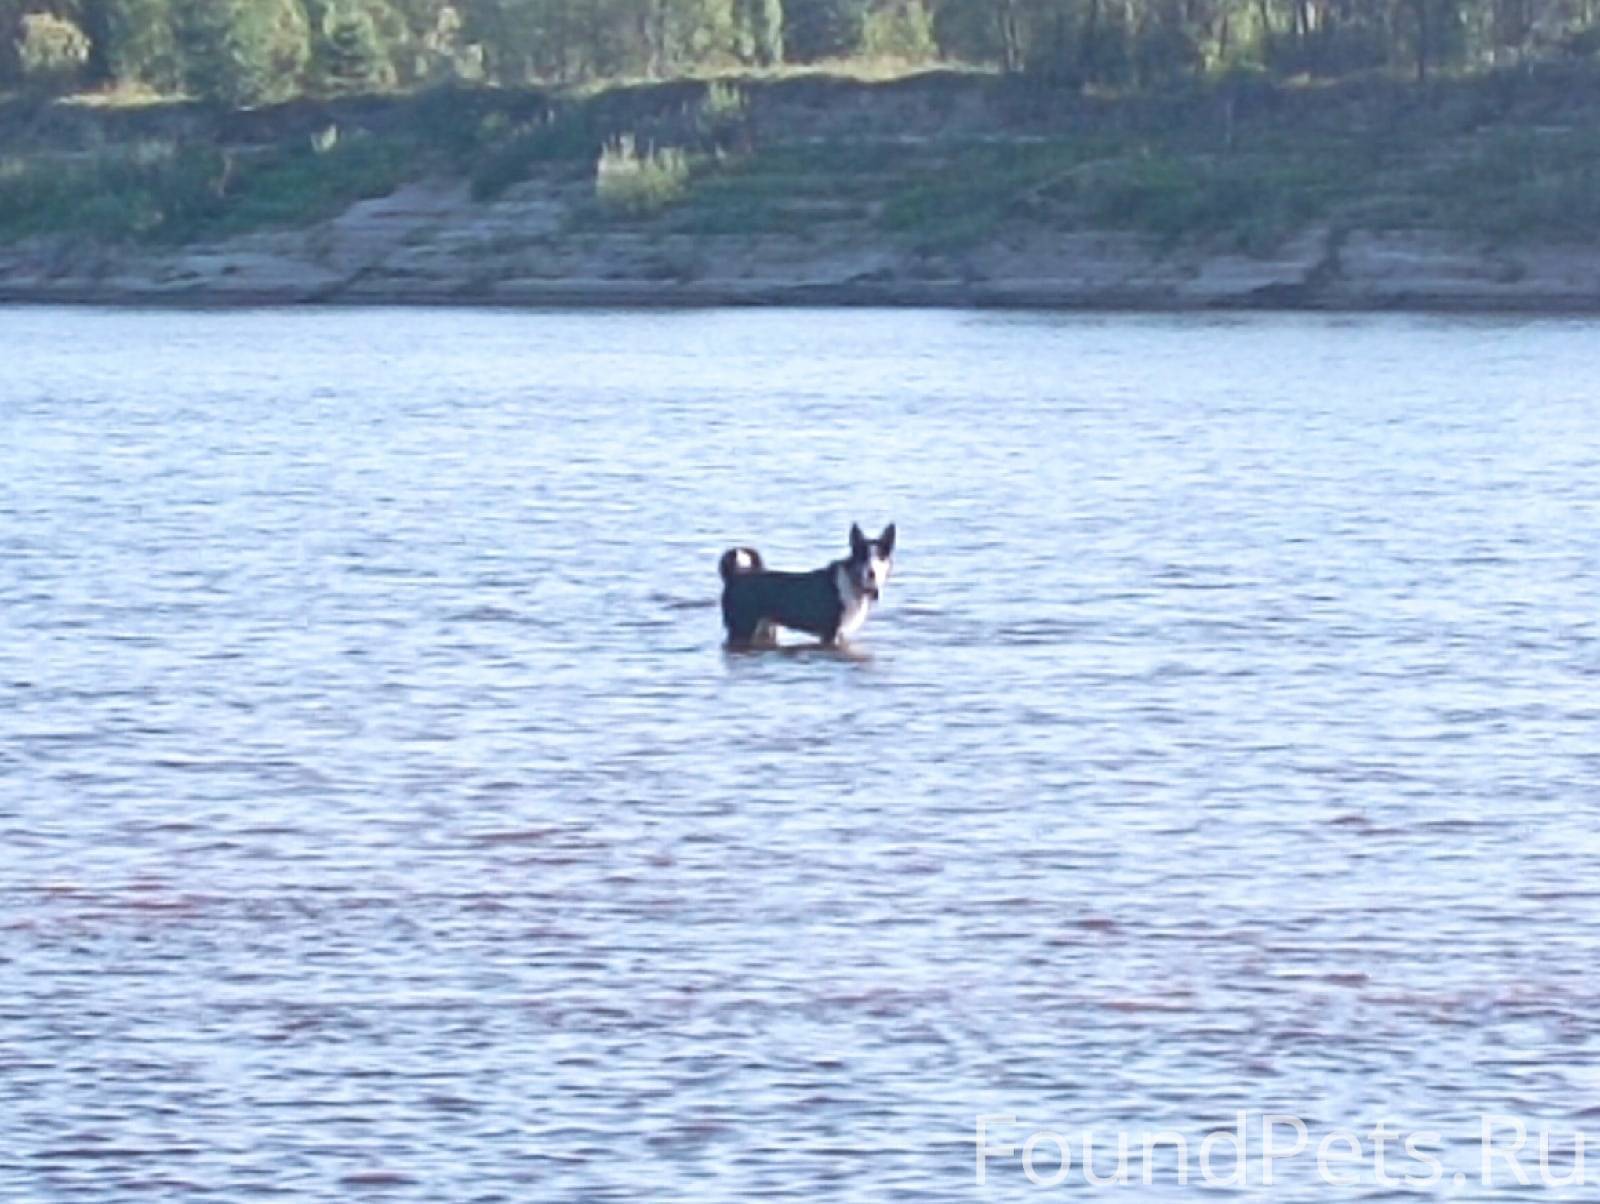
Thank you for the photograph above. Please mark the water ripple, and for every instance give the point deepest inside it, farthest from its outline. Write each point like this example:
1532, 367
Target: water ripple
381, 817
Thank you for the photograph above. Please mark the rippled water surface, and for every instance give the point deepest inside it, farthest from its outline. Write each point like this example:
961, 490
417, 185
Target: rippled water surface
381, 817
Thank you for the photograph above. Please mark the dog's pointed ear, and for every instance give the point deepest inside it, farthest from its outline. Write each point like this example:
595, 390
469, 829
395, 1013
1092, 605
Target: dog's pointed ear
858, 541
886, 540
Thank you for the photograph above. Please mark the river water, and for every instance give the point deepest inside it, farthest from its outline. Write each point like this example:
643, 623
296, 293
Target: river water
380, 815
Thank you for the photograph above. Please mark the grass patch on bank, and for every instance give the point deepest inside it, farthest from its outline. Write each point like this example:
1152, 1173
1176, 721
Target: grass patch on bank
638, 180
1512, 185
306, 185
791, 189
163, 192
505, 155
1252, 202
965, 195
938, 165
950, 196
111, 195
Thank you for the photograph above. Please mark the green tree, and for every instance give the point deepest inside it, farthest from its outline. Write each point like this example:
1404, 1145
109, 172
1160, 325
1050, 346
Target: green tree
527, 40
10, 27
250, 51
52, 52
362, 46
822, 29
899, 29
440, 46
134, 43
760, 31
243, 52
1437, 34
965, 31
352, 57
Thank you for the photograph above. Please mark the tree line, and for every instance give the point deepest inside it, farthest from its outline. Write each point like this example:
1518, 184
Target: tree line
257, 51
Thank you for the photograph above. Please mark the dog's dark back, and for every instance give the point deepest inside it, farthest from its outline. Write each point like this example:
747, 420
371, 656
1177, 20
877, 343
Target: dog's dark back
807, 602
753, 598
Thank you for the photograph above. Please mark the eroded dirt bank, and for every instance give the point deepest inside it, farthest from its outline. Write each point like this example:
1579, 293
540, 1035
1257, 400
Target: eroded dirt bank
430, 243
934, 190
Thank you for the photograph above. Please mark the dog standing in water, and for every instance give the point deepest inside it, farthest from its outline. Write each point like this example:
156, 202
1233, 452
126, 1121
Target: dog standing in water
830, 603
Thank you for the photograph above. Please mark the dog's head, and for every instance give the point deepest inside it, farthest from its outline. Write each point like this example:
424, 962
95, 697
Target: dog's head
870, 560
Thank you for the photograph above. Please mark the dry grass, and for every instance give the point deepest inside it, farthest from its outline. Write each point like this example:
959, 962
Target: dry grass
640, 181
123, 96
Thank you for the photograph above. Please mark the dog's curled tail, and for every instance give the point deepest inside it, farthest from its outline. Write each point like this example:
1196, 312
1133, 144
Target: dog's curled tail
736, 561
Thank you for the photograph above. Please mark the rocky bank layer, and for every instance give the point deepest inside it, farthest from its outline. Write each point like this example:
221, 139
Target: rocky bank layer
431, 243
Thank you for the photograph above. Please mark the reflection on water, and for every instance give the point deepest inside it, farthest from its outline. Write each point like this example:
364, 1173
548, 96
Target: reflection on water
380, 814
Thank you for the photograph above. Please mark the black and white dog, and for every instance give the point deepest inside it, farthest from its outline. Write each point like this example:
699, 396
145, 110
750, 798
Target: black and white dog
830, 603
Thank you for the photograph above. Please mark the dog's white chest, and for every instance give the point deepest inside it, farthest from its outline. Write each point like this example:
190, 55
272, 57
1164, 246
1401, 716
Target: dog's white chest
856, 607
855, 614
